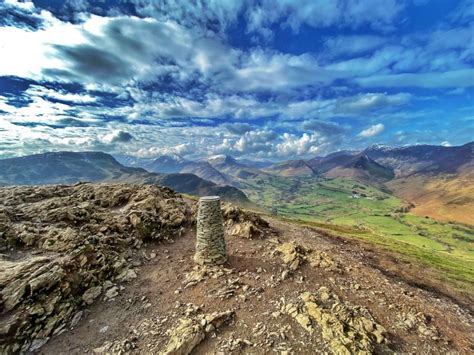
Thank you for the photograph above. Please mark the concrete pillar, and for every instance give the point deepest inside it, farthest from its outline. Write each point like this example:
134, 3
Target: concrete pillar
210, 242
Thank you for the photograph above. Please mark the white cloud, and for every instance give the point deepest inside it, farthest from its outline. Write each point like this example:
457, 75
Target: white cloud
177, 67
371, 102
38, 110
451, 79
293, 145
354, 44
273, 71
123, 50
182, 149
26, 5
322, 13
372, 130
255, 141
41, 91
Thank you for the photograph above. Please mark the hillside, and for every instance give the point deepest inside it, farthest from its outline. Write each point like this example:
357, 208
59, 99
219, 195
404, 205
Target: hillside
359, 167
193, 185
291, 168
438, 180
423, 159
63, 167
444, 197
433, 180
72, 167
171, 164
108, 268
206, 171
231, 167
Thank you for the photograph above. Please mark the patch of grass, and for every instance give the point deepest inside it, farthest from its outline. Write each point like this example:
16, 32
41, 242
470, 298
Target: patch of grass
352, 209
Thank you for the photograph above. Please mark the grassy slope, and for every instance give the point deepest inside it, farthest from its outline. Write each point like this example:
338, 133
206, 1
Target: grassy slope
447, 247
442, 197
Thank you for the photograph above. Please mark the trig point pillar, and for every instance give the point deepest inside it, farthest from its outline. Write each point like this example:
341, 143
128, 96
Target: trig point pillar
210, 242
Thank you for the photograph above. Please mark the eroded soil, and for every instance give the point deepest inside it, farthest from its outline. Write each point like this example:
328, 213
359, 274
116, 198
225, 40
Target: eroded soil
349, 301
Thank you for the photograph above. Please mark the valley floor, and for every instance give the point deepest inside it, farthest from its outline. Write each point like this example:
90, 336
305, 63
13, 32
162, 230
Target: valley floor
354, 210
261, 288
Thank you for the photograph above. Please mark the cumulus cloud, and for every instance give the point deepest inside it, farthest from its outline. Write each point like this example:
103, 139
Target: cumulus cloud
123, 50
293, 145
255, 141
238, 128
372, 130
269, 144
182, 149
117, 137
173, 76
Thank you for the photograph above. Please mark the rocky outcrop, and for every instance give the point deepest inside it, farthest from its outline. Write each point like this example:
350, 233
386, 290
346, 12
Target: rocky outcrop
418, 323
191, 331
294, 255
346, 329
245, 224
64, 246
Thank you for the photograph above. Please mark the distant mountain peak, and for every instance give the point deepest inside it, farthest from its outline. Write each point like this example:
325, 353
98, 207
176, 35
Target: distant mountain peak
380, 147
172, 157
222, 158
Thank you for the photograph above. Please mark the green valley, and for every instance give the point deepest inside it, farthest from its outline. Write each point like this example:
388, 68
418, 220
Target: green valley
352, 209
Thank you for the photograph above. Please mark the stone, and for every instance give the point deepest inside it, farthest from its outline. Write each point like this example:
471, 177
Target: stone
345, 329
75, 320
37, 344
413, 321
111, 292
192, 331
244, 224
294, 255
104, 329
127, 275
91, 294
210, 241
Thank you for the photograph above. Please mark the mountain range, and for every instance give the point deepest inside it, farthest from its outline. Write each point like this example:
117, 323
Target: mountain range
72, 167
437, 180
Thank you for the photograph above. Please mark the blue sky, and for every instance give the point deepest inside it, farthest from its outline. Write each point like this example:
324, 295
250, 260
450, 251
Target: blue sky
267, 79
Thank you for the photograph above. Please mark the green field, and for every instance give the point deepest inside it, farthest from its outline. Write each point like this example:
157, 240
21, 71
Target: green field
356, 210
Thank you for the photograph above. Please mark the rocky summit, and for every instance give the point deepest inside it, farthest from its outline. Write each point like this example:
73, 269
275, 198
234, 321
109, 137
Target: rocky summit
109, 269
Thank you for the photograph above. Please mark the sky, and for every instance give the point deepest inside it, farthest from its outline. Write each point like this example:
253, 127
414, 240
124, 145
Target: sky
261, 79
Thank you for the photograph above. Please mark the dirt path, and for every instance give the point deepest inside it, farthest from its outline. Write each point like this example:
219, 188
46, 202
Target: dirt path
257, 286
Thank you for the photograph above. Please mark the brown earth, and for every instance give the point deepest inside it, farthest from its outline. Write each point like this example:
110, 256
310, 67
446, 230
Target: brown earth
256, 286
286, 288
